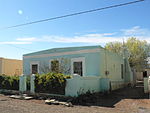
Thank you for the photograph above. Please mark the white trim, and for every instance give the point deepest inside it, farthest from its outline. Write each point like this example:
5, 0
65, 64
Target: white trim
32, 63
64, 53
79, 59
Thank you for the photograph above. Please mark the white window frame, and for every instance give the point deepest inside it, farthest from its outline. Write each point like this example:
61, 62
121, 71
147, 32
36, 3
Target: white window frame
79, 59
34, 63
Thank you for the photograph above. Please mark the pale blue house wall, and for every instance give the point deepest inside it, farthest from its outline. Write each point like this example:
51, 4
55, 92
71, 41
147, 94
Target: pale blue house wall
92, 60
96, 63
92, 63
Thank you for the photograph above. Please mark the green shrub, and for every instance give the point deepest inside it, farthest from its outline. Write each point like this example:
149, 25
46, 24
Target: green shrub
9, 82
51, 83
28, 83
1, 80
45, 83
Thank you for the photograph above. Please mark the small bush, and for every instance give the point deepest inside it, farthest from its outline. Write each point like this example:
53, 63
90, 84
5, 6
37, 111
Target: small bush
50, 83
1, 80
44, 83
9, 82
28, 83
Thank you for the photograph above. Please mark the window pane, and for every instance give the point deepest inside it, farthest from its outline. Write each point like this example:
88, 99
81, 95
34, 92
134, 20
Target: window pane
34, 69
77, 67
55, 66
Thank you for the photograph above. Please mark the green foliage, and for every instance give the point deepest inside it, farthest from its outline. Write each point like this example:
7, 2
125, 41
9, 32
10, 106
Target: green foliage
55, 66
28, 82
115, 47
61, 66
45, 83
67, 76
138, 51
50, 83
9, 82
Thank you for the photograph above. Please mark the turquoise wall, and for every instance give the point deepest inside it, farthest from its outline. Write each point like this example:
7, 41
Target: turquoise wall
92, 62
80, 85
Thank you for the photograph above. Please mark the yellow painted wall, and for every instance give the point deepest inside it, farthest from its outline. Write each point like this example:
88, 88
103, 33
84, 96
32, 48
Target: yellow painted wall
1, 65
10, 66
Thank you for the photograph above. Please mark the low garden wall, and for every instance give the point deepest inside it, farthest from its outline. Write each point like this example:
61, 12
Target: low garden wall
147, 84
116, 85
53, 83
80, 85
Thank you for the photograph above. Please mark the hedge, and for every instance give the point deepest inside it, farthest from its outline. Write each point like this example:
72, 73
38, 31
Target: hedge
54, 83
9, 82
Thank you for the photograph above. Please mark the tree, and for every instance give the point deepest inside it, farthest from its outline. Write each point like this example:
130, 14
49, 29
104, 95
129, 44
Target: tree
138, 51
57, 66
115, 47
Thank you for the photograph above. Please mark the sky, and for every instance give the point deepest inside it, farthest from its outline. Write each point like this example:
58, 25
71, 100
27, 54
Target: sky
96, 28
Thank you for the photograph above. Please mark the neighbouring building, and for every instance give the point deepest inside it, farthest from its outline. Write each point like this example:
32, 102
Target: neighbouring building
98, 68
145, 73
10, 66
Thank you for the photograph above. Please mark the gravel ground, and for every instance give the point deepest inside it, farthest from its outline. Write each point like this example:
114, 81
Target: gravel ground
127, 100
8, 105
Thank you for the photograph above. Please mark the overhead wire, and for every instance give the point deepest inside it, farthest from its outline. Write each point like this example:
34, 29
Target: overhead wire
73, 14
67, 15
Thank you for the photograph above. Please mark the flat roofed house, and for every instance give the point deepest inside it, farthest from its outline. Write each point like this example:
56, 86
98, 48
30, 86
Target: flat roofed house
10, 67
86, 61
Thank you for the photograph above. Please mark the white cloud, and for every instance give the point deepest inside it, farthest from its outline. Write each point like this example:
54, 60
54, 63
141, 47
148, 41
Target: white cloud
15, 43
26, 39
20, 41
88, 38
95, 38
91, 38
136, 31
